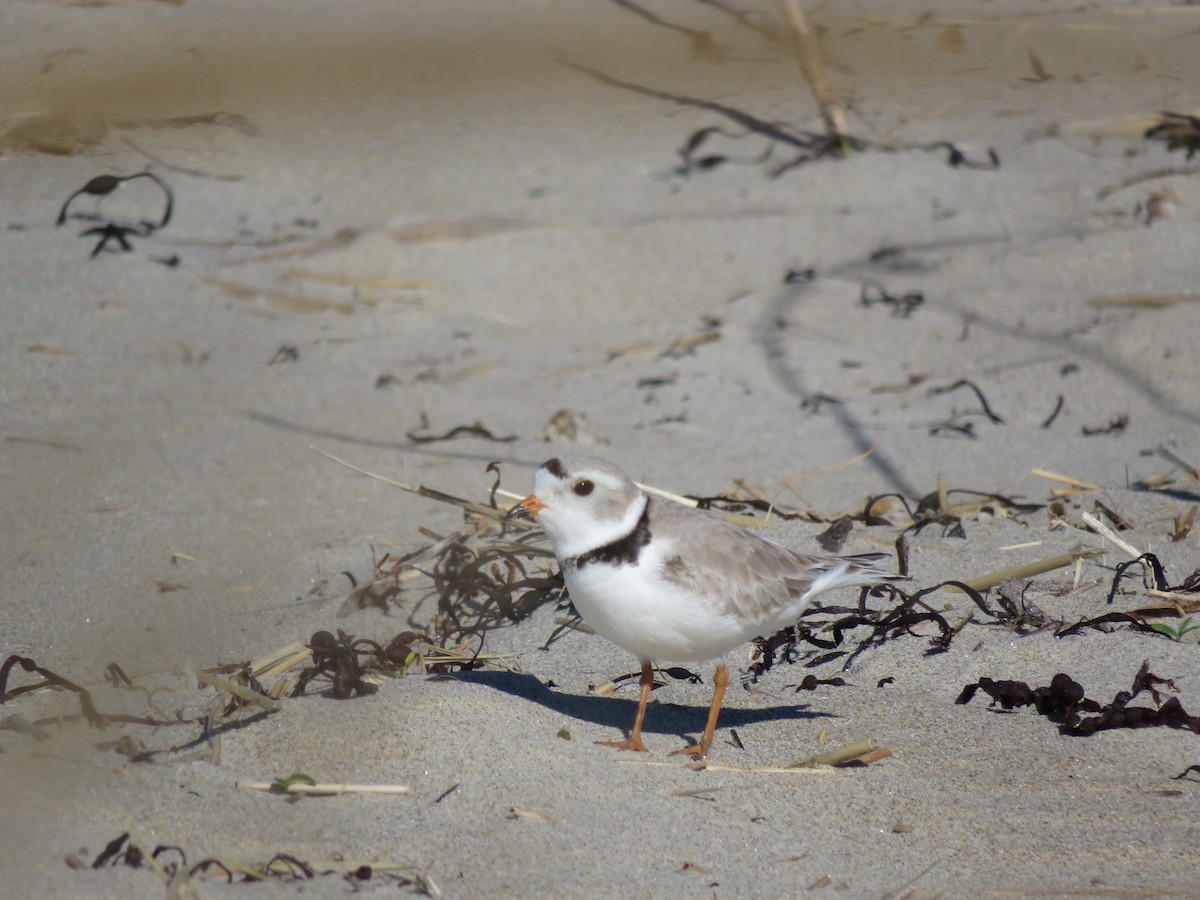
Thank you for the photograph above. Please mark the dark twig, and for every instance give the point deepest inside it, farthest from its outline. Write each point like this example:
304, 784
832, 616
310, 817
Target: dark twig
811, 146
963, 382
1148, 561
85, 698
475, 429
902, 306
703, 44
1054, 413
1180, 131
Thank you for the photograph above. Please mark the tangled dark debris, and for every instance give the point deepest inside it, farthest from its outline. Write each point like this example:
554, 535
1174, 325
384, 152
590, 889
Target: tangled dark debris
908, 612
807, 146
1153, 576
109, 230
478, 580
282, 867
1064, 701
346, 662
475, 430
1116, 425
902, 305
825, 628
87, 707
242, 675
928, 512
955, 425
679, 673
961, 383
833, 537
747, 505
811, 682
480, 588
1179, 131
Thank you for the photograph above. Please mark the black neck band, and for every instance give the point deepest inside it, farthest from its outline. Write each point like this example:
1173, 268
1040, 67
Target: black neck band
625, 549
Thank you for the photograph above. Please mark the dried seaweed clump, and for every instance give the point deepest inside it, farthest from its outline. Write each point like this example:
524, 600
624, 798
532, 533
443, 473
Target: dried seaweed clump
477, 578
1064, 701
907, 612
171, 863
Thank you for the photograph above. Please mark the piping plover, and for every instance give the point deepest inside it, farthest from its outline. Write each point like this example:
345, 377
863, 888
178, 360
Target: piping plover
669, 582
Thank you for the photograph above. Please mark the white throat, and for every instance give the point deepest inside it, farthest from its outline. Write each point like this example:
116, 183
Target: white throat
579, 540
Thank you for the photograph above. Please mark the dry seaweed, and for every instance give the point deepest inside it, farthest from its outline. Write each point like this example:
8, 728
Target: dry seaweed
1116, 425
479, 579
353, 667
1064, 701
109, 230
478, 509
797, 275
703, 45
1058, 407
743, 505
812, 682
1016, 612
478, 588
952, 526
341, 660
809, 146
86, 706
884, 625
963, 382
116, 676
1182, 525
679, 673
476, 430
384, 587
243, 688
902, 305
833, 537
171, 863
935, 509
1099, 622
1151, 568
828, 635
1179, 131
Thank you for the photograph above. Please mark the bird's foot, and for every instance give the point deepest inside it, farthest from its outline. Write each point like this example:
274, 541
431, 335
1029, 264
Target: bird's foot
630, 743
697, 752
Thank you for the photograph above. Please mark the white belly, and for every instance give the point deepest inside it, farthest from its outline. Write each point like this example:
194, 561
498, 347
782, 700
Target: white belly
654, 620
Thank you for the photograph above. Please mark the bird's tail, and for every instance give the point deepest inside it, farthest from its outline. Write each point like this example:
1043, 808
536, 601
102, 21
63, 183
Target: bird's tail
859, 570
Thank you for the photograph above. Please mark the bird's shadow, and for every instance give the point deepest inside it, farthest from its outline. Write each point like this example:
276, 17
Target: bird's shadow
611, 711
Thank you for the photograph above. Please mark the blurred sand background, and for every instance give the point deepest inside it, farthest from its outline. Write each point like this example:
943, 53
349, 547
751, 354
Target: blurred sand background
402, 218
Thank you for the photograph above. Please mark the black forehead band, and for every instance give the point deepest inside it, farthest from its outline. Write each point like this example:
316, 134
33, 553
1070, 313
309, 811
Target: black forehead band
555, 467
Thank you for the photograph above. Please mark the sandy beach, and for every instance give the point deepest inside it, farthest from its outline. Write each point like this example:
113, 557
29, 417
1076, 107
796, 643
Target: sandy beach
429, 236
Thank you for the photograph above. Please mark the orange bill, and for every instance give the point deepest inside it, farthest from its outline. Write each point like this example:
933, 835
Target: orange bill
527, 508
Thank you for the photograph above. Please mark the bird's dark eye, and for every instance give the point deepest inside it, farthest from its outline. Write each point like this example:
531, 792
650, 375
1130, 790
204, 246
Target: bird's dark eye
583, 488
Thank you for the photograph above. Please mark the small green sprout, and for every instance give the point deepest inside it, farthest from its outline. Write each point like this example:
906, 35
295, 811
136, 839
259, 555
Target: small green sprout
1176, 634
282, 785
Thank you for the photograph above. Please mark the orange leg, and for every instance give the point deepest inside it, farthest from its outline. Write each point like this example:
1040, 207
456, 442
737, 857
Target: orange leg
720, 682
634, 741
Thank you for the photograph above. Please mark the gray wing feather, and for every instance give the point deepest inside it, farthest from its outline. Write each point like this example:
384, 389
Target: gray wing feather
709, 556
